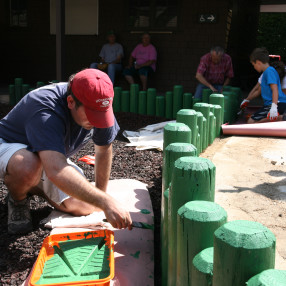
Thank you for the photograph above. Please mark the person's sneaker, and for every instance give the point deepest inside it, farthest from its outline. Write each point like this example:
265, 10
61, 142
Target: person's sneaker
19, 216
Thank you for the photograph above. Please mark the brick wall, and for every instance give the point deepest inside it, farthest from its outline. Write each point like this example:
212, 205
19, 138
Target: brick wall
31, 53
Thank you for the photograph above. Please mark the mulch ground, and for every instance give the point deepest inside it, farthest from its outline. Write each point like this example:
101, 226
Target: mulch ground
19, 252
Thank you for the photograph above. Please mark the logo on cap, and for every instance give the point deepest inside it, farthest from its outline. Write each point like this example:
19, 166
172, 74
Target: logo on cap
105, 103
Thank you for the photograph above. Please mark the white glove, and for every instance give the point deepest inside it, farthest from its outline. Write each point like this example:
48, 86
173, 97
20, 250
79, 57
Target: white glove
244, 103
273, 112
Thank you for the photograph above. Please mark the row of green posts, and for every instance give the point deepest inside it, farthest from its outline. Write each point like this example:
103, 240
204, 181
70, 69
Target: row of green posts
167, 105
199, 247
19, 89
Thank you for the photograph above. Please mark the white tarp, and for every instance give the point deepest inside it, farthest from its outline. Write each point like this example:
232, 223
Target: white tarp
149, 137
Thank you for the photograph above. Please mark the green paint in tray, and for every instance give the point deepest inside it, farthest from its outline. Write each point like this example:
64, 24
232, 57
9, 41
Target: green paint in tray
77, 260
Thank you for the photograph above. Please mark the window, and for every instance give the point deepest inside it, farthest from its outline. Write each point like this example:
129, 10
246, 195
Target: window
18, 13
153, 14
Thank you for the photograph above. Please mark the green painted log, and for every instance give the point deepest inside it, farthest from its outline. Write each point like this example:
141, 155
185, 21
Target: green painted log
176, 132
18, 89
237, 92
125, 100
270, 277
217, 114
187, 100
134, 93
160, 106
212, 128
12, 95
117, 99
204, 108
226, 88
40, 84
196, 100
177, 99
230, 106
25, 89
206, 95
189, 117
211, 107
172, 152
198, 142
201, 131
142, 108
227, 109
206, 134
169, 104
164, 240
242, 249
196, 223
218, 99
202, 268
151, 101
193, 178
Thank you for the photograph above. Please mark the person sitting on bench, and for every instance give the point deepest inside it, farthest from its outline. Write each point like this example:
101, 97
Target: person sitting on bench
142, 61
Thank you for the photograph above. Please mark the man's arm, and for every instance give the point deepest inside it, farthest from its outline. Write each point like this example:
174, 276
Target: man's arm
203, 81
102, 167
274, 89
74, 184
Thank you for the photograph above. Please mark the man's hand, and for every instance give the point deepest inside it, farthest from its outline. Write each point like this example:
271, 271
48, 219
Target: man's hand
273, 112
116, 215
213, 89
244, 103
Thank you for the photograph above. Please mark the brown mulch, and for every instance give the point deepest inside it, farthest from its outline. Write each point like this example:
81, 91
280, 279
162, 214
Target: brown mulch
19, 252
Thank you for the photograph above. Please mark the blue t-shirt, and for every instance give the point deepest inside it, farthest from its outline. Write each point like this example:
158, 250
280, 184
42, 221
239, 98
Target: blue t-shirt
270, 76
42, 121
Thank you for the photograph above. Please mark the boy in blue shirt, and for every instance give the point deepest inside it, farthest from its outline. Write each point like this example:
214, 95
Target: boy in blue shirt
271, 92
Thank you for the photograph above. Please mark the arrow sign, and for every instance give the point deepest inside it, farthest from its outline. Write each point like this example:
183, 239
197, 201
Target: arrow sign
207, 18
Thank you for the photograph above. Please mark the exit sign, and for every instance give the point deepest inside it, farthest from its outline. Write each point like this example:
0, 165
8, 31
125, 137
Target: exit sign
207, 18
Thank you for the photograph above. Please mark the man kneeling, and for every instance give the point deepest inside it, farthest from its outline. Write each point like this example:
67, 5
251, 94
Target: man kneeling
42, 131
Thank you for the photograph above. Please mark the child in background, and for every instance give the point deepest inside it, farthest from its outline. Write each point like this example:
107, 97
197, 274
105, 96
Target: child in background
272, 94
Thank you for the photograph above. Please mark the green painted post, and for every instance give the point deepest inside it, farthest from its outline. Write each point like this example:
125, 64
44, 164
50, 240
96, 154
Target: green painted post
227, 109
125, 100
204, 108
230, 106
142, 108
242, 249
164, 240
196, 223
134, 92
18, 89
176, 132
160, 106
237, 92
169, 104
212, 128
187, 100
202, 268
270, 277
151, 101
25, 89
117, 99
218, 99
226, 88
196, 100
12, 95
198, 141
206, 134
218, 116
201, 130
40, 84
172, 152
206, 94
193, 178
177, 99
189, 117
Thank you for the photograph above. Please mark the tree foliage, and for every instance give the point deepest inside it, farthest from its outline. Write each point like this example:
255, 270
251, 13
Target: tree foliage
272, 33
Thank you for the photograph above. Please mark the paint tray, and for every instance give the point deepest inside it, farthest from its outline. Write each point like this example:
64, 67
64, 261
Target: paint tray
80, 258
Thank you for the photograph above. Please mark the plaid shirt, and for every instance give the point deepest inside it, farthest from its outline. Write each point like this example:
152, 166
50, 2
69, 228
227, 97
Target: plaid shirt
215, 73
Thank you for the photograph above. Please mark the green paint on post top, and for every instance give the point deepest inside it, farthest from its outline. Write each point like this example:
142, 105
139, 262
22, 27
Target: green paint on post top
270, 277
136, 254
202, 268
144, 211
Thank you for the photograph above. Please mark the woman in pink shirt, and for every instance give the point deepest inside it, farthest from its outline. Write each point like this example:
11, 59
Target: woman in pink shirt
142, 61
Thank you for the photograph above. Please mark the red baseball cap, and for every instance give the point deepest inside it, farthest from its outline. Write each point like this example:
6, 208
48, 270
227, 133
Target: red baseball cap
94, 89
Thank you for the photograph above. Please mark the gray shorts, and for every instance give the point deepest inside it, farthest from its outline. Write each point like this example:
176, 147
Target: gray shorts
7, 150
